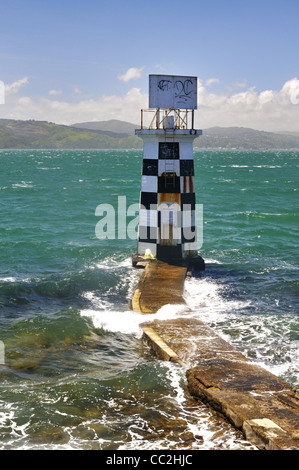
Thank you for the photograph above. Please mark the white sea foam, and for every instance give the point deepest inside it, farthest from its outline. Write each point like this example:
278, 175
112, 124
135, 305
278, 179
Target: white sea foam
8, 279
206, 299
12, 279
238, 321
112, 264
203, 297
263, 338
23, 184
212, 261
48, 168
128, 322
8, 419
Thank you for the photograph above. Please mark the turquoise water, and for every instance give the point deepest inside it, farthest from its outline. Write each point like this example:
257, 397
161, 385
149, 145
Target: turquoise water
76, 373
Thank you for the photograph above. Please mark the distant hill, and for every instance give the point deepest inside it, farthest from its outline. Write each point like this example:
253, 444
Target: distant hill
245, 138
293, 133
214, 137
42, 134
120, 135
114, 125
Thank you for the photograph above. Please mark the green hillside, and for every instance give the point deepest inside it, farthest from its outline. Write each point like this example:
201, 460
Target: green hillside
41, 134
113, 125
120, 135
245, 138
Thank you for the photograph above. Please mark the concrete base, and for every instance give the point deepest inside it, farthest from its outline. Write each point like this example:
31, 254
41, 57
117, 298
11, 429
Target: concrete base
196, 263
263, 406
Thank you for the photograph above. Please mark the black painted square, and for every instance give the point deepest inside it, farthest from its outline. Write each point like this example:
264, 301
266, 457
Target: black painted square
148, 200
150, 167
169, 252
188, 199
186, 168
168, 183
169, 150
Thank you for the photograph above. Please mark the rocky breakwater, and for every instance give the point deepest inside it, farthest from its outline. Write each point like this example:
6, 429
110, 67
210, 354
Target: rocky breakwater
261, 405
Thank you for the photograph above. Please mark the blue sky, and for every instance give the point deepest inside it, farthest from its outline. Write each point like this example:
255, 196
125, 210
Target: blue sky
68, 59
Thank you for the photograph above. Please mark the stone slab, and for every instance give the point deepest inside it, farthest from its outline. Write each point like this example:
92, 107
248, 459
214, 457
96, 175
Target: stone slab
249, 396
254, 400
160, 284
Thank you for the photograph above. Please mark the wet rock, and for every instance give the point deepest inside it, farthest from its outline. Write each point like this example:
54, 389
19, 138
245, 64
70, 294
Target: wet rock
187, 437
54, 435
25, 364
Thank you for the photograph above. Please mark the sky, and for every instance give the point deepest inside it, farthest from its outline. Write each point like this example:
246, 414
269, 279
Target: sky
75, 61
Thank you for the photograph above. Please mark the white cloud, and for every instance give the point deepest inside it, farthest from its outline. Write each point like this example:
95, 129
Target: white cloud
266, 96
291, 90
55, 92
211, 81
25, 101
241, 84
126, 107
12, 88
131, 74
269, 110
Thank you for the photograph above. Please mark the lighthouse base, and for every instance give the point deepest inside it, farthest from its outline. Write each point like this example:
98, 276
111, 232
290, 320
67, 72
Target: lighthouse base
194, 264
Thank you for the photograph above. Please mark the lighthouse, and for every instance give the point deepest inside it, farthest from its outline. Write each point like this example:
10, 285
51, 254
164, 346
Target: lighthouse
167, 228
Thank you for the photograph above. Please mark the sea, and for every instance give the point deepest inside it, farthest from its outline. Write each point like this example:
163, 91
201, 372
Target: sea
75, 372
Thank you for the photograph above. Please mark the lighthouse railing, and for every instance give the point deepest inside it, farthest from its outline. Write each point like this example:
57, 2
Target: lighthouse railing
159, 116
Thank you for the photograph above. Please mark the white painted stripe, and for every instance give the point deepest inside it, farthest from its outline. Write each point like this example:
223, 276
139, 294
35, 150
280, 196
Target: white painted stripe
149, 184
168, 166
150, 150
186, 150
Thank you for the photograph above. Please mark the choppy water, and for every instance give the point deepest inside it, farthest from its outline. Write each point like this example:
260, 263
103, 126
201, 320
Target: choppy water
77, 374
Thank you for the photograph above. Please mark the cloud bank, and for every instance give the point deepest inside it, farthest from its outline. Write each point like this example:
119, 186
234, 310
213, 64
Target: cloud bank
269, 110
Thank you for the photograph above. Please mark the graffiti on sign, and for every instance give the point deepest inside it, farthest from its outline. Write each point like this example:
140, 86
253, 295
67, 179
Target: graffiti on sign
172, 92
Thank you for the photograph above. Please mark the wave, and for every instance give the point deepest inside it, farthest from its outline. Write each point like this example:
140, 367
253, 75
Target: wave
23, 184
265, 335
259, 332
128, 322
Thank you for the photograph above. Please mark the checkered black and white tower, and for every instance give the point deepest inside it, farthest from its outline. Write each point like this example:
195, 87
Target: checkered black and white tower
167, 217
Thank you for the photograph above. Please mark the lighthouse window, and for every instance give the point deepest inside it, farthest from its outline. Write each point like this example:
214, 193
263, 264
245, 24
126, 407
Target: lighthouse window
169, 150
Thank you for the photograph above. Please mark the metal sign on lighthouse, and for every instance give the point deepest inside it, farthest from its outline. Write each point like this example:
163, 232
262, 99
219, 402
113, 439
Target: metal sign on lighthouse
167, 217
